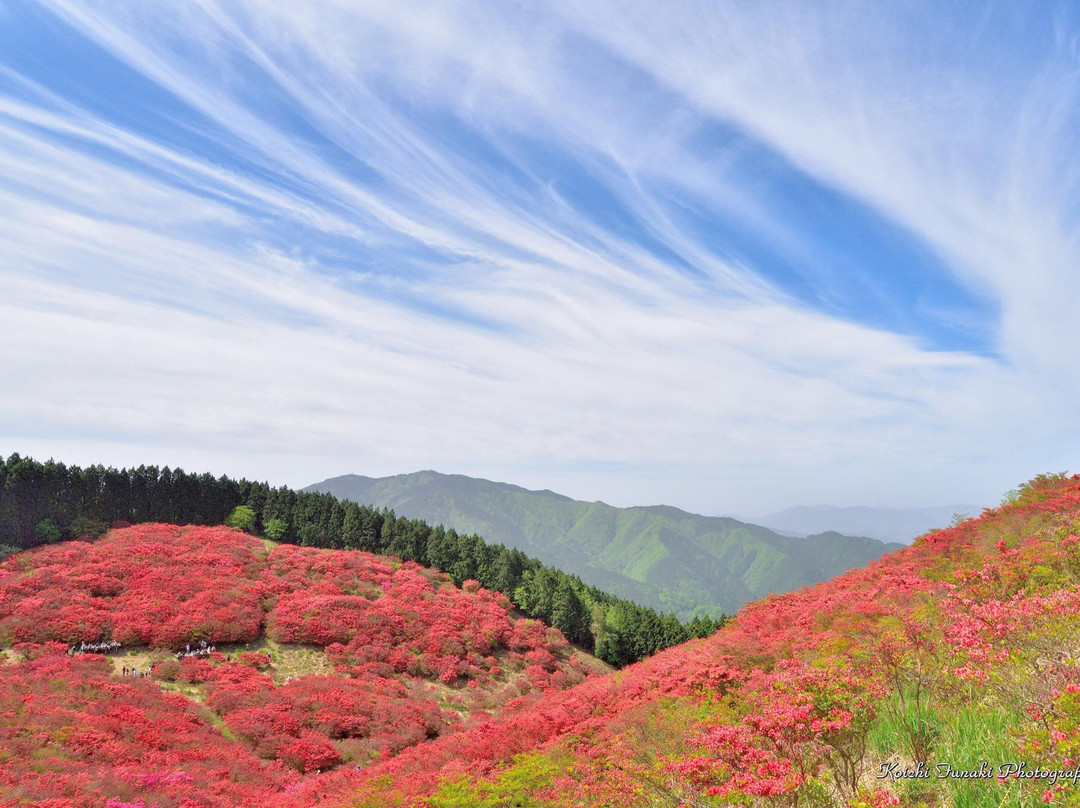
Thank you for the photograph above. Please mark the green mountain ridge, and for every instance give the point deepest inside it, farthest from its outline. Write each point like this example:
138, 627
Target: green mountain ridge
658, 555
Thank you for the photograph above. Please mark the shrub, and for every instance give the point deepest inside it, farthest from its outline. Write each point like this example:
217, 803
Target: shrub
275, 529
168, 670
83, 527
241, 518
46, 532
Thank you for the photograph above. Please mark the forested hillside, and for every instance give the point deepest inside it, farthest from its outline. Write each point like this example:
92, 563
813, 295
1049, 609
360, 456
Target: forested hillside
658, 556
42, 503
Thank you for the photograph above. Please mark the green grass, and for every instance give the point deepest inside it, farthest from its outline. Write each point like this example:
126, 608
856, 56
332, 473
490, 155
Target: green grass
964, 738
512, 788
970, 736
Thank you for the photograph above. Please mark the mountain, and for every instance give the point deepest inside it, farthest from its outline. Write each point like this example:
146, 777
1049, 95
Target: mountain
352, 680
658, 556
884, 524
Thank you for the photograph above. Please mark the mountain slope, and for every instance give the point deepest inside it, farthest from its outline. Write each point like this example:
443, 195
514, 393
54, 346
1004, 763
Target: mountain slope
659, 556
959, 650
45, 502
830, 696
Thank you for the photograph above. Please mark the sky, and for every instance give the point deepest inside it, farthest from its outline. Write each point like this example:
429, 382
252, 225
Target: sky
732, 257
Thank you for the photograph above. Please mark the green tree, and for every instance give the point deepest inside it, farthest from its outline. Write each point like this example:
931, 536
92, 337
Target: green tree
276, 529
352, 528
242, 518
569, 615
46, 532
83, 527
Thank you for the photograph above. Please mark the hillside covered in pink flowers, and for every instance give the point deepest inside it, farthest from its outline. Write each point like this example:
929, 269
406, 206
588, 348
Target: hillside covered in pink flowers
197, 699
946, 674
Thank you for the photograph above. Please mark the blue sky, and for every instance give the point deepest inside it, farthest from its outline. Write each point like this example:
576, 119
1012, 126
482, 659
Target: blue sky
732, 257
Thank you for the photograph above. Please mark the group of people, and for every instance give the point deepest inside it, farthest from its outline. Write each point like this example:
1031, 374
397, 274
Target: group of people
100, 647
201, 651
204, 650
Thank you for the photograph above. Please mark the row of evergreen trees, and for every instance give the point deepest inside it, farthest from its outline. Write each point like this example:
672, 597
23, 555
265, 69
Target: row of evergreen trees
47, 502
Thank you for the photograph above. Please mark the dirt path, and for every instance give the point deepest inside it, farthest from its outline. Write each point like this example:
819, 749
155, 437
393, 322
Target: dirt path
290, 660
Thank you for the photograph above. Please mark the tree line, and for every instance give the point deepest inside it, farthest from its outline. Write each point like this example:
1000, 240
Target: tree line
47, 502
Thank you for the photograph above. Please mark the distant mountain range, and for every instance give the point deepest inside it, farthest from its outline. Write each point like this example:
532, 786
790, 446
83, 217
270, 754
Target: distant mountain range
658, 556
885, 524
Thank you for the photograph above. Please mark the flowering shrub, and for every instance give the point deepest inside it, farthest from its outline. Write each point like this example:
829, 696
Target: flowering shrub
801, 724
457, 703
155, 585
389, 629
788, 690
413, 620
69, 727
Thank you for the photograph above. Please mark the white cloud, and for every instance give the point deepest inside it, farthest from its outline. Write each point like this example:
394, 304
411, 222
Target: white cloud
910, 114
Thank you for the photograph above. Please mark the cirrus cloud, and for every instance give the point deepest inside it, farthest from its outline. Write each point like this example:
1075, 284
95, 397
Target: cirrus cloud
730, 258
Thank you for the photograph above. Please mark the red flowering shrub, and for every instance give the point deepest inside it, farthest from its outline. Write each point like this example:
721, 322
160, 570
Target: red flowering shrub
156, 585
773, 727
801, 724
773, 707
414, 621
254, 660
309, 752
386, 626
69, 727
194, 671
